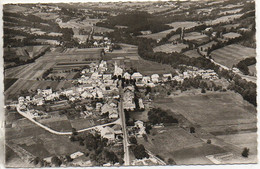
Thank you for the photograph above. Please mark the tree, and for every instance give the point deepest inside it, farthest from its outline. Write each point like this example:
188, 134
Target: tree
68, 158
171, 161
139, 152
74, 132
56, 161
192, 130
36, 160
245, 152
203, 90
133, 140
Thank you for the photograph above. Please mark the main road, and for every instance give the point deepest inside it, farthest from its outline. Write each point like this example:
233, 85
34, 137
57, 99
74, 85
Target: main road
123, 124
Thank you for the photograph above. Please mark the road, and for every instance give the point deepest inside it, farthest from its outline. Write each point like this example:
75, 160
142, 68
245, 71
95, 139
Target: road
58, 132
123, 124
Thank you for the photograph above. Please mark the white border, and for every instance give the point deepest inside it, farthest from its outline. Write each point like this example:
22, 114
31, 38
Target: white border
237, 166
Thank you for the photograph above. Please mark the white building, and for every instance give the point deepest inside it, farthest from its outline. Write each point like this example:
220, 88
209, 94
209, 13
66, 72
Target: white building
107, 132
127, 76
155, 78
137, 76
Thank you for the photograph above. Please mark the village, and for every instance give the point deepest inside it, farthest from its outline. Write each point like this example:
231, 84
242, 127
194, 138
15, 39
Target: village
130, 84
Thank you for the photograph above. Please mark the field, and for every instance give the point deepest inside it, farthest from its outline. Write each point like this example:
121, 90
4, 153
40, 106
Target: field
158, 35
129, 57
207, 45
180, 145
192, 53
232, 54
213, 109
196, 37
57, 59
252, 69
174, 37
8, 83
223, 19
169, 48
224, 118
185, 25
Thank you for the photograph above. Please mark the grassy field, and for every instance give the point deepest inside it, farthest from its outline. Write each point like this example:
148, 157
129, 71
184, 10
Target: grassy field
225, 118
213, 109
180, 145
8, 83
169, 48
232, 54
192, 53
223, 19
252, 68
40, 142
158, 35
196, 37
185, 25
129, 54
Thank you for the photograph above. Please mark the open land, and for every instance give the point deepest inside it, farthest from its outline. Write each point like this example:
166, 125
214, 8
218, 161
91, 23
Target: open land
169, 48
232, 54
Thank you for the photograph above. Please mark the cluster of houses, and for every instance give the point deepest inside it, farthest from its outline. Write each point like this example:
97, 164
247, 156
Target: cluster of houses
194, 72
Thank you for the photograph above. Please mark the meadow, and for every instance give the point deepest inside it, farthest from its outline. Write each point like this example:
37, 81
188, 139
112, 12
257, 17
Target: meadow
232, 54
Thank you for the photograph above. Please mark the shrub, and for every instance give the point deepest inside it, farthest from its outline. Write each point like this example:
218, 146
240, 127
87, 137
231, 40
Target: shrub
245, 152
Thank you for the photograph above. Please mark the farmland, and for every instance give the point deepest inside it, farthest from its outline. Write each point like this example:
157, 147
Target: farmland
158, 35
28, 75
213, 109
223, 19
232, 54
169, 48
192, 53
185, 25
222, 117
180, 145
196, 37
8, 83
129, 56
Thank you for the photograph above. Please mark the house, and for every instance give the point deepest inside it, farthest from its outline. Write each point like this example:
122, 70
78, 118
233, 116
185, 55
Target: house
146, 79
107, 132
68, 92
118, 71
71, 98
127, 76
137, 76
38, 99
117, 129
107, 76
76, 154
128, 102
141, 105
86, 94
167, 77
140, 125
106, 108
21, 100
155, 78
98, 106
112, 112
150, 84
28, 98
94, 75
